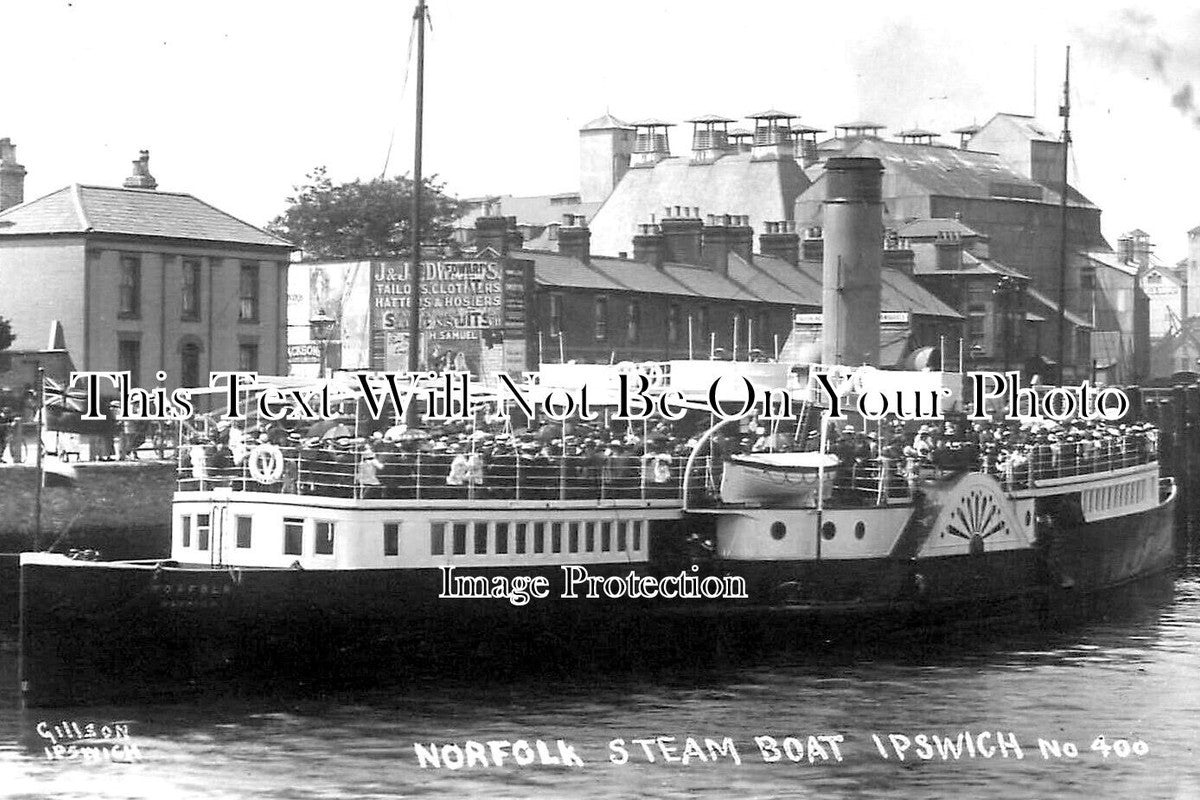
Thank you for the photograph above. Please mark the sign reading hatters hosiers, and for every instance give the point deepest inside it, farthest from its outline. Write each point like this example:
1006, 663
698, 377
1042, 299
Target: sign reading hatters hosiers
461, 302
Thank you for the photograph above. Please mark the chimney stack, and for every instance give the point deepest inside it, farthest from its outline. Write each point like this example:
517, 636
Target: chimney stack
852, 262
574, 238
813, 245
141, 177
714, 242
498, 233
649, 244
948, 246
741, 237
682, 234
12, 176
781, 241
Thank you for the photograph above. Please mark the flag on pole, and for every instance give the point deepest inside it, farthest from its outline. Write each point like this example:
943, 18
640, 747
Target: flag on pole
56, 395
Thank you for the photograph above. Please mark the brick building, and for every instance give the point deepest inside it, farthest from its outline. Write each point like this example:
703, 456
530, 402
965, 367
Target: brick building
143, 280
693, 287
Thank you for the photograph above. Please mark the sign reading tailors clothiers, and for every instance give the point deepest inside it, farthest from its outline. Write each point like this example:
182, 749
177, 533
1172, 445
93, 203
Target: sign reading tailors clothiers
463, 314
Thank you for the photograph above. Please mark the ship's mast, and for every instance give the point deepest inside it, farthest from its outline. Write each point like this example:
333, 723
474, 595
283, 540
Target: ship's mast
414, 272
1064, 111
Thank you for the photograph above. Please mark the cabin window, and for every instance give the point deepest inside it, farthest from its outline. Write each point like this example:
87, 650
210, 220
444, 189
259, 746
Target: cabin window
202, 531
244, 526
828, 530
185, 531
556, 537
437, 538
520, 538
460, 538
573, 537
324, 544
589, 537
391, 539
621, 536
539, 537
637, 534
778, 530
860, 529
606, 536
501, 538
480, 538
293, 537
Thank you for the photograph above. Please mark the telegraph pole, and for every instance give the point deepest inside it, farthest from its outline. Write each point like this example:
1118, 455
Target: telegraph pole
1064, 111
414, 273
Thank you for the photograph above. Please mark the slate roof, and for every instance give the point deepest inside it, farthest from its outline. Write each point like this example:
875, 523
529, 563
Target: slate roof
131, 212
766, 280
930, 228
950, 172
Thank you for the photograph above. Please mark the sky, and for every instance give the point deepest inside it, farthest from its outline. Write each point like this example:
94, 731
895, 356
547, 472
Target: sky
238, 101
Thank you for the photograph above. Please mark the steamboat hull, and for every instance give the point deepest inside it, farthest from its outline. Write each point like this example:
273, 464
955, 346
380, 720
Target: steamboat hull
95, 632
1067, 572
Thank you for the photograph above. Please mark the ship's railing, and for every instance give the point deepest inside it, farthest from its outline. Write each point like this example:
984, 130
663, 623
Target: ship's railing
875, 480
427, 476
1022, 467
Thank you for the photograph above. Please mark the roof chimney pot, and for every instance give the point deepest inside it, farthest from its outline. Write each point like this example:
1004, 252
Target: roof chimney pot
141, 177
12, 176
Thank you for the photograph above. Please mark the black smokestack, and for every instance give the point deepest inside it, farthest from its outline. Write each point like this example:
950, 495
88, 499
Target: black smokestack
852, 261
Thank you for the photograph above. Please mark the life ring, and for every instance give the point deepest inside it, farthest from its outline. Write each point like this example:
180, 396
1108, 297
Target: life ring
266, 463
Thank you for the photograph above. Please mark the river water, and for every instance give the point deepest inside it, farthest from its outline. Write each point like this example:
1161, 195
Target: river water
1133, 678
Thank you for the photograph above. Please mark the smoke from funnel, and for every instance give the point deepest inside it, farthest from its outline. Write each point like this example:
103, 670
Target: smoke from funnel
1134, 38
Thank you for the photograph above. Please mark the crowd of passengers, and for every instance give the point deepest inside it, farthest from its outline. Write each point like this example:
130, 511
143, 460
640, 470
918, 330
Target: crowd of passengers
622, 460
450, 461
1015, 451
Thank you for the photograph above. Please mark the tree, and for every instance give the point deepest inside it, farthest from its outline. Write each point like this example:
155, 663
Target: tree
6, 334
370, 219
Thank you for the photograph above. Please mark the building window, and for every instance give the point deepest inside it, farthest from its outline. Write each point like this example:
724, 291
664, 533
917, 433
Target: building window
248, 293
976, 329
244, 528
131, 287
191, 289
673, 323
203, 530
129, 359
606, 536
391, 539
739, 327
702, 322
189, 364
324, 543
293, 537
185, 527
248, 357
555, 314
760, 338
601, 315
1087, 279
633, 324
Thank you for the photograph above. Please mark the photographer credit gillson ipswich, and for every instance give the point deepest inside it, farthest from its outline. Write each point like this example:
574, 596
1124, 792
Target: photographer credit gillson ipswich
649, 399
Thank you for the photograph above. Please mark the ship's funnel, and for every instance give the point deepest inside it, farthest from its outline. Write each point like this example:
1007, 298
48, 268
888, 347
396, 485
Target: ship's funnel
853, 258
